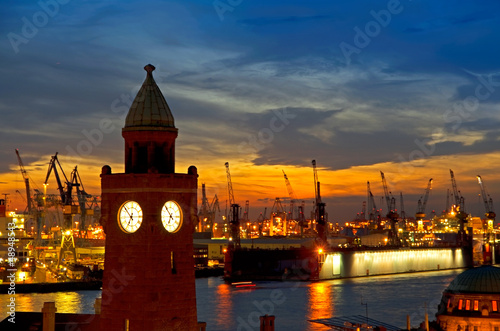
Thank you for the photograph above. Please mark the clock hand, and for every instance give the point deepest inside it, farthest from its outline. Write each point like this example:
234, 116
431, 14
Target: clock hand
169, 214
125, 208
168, 211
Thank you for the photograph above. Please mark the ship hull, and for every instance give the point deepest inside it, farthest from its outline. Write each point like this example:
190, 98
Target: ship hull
310, 264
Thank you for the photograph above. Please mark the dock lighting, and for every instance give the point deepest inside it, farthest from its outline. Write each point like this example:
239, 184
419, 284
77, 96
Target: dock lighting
67, 233
224, 250
320, 251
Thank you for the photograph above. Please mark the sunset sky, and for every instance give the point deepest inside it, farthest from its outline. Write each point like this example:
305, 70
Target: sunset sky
410, 88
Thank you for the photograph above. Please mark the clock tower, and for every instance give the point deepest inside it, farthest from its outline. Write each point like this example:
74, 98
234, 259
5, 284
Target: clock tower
149, 214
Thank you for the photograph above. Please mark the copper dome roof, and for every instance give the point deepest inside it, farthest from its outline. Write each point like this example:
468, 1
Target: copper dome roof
150, 110
484, 279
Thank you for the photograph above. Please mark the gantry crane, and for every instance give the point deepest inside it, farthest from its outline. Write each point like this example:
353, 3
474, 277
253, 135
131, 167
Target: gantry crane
488, 236
261, 220
402, 207
32, 206
319, 210
421, 204
487, 200
246, 217
203, 214
65, 193
69, 210
372, 209
214, 207
82, 197
291, 193
206, 215
278, 215
361, 216
26, 182
392, 214
234, 223
299, 217
459, 199
460, 208
390, 200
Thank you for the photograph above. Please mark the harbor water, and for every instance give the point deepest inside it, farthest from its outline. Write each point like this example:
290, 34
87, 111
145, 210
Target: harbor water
227, 308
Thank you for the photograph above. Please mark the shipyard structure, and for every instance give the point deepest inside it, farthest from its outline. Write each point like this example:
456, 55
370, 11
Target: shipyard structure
373, 245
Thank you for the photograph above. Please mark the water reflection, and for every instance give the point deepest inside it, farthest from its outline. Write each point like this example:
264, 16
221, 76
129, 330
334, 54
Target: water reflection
223, 306
320, 303
66, 302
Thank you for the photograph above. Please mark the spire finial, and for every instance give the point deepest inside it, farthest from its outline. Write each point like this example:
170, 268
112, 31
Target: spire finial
149, 68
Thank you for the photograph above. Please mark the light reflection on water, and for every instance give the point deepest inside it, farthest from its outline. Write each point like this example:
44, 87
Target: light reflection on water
320, 303
66, 302
226, 308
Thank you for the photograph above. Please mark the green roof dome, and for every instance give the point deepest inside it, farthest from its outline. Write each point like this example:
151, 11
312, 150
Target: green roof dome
150, 110
484, 279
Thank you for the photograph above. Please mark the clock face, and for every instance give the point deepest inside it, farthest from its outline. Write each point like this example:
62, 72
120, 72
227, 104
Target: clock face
171, 216
130, 216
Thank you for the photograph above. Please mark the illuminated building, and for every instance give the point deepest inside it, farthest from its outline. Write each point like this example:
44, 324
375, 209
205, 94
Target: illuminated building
472, 301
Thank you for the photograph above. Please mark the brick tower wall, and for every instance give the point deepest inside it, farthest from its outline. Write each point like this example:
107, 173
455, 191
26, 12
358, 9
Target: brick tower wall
140, 283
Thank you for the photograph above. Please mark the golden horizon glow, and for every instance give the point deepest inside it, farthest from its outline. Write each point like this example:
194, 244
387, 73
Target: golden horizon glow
261, 184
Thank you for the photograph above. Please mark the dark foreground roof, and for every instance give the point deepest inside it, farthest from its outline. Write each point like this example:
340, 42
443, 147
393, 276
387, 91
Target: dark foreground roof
33, 322
353, 322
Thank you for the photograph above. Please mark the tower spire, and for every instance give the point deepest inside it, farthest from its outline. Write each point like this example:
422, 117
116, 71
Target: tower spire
149, 131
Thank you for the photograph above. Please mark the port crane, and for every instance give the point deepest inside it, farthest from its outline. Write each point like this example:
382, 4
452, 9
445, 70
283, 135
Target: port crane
234, 223
206, 215
246, 218
278, 215
422, 202
203, 214
460, 208
261, 220
362, 215
487, 200
490, 220
82, 197
69, 210
26, 183
372, 209
300, 209
319, 210
392, 214
291, 193
65, 194
459, 199
32, 205
402, 207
